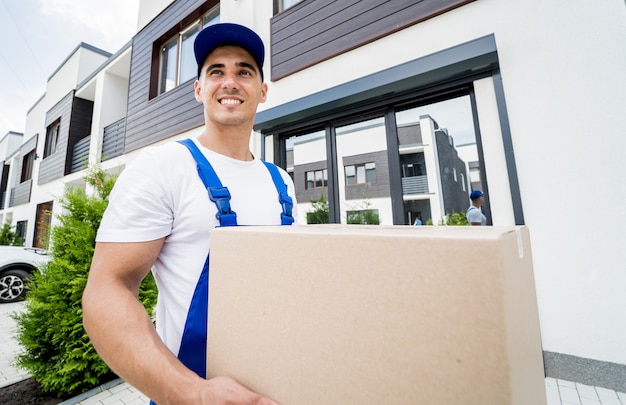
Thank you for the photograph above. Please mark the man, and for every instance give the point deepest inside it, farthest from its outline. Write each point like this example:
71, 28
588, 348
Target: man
474, 214
160, 216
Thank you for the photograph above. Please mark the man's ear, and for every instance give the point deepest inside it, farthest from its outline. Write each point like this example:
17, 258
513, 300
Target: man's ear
197, 89
264, 88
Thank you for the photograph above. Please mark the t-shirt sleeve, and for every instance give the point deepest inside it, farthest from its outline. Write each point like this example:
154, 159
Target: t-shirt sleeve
140, 205
474, 215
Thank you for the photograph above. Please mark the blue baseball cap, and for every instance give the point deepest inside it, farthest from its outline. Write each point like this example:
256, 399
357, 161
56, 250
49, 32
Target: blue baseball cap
476, 194
224, 34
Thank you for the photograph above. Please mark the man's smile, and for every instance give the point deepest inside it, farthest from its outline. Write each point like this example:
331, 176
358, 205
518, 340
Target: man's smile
230, 101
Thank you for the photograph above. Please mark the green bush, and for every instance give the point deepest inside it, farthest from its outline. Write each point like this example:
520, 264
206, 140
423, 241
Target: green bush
320, 213
8, 236
452, 219
363, 217
362, 214
57, 352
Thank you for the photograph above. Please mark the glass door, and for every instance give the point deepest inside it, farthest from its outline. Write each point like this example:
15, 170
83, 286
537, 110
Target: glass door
363, 173
439, 161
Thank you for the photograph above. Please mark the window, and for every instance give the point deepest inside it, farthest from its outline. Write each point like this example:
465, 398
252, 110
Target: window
360, 174
282, 5
363, 217
316, 179
474, 174
52, 138
27, 166
20, 230
177, 63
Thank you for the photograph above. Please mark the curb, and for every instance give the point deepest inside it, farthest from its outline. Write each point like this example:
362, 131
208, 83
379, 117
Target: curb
92, 392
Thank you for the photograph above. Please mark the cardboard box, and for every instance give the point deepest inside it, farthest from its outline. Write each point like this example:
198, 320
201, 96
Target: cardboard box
338, 314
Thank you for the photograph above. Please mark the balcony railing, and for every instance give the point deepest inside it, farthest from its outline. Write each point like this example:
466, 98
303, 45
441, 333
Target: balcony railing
415, 185
113, 140
80, 156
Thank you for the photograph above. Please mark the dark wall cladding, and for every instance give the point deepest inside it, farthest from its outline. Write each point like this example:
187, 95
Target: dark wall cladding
80, 128
314, 31
150, 117
302, 193
20, 194
75, 115
53, 167
379, 188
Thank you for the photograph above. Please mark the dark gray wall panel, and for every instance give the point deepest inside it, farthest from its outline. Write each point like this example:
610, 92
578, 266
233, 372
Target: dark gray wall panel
53, 167
150, 117
313, 31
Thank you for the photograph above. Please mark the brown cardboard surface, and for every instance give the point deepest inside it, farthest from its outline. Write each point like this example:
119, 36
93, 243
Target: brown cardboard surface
376, 315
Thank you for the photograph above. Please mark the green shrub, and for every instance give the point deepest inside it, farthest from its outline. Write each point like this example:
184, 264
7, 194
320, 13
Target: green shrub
57, 352
363, 217
453, 219
362, 214
320, 213
8, 236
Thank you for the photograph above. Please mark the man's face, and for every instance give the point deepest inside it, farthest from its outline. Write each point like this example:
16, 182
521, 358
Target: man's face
230, 86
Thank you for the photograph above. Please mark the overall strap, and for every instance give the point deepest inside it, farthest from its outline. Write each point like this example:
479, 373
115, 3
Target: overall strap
217, 193
286, 217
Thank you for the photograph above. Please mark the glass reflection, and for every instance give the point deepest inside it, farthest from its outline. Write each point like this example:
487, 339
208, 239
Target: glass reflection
306, 162
439, 160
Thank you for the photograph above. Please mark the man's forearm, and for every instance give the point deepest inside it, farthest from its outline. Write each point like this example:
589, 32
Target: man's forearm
123, 335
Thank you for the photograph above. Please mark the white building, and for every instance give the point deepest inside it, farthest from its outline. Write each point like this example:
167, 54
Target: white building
541, 82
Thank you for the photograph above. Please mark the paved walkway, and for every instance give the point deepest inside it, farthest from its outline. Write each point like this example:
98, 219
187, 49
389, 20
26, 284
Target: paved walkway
118, 392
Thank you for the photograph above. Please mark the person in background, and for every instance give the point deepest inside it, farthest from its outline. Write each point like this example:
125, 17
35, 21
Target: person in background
159, 218
474, 213
418, 220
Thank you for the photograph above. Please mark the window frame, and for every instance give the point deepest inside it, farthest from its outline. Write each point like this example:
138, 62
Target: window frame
324, 174
52, 138
28, 163
440, 74
279, 5
178, 38
363, 174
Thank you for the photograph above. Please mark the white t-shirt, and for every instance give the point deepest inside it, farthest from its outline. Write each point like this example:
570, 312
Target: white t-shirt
473, 214
161, 195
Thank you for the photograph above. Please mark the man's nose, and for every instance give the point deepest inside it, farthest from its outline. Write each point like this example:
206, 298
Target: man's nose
230, 81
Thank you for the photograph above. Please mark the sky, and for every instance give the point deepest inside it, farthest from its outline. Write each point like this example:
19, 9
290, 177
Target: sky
38, 35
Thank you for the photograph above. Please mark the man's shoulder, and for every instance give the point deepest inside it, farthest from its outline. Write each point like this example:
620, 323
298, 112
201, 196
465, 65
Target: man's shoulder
167, 154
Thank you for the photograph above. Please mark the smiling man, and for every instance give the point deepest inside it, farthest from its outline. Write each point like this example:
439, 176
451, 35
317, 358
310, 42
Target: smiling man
160, 215
230, 85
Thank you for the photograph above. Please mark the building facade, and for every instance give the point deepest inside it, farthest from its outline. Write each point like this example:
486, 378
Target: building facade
402, 107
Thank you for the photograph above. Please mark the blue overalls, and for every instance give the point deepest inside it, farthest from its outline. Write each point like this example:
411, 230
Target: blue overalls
192, 351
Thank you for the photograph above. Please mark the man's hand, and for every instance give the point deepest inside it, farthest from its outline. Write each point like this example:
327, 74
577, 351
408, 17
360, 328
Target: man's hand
227, 391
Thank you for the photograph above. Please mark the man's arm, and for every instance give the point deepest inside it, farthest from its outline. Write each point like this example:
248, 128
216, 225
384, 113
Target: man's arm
122, 332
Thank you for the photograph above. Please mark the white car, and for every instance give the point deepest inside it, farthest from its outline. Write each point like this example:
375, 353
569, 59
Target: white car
16, 265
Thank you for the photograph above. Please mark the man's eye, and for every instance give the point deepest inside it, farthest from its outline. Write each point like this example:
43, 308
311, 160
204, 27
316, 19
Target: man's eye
245, 73
215, 72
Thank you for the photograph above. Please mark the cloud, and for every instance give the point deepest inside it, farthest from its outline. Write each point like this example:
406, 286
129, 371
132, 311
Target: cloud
40, 34
114, 20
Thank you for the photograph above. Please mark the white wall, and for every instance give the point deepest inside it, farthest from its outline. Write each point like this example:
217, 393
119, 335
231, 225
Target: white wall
148, 9
562, 66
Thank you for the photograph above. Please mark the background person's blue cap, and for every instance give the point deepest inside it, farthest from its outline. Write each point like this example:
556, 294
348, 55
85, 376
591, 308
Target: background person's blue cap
476, 194
225, 34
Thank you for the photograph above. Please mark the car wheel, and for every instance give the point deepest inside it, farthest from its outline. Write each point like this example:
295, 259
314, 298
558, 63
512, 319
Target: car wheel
12, 285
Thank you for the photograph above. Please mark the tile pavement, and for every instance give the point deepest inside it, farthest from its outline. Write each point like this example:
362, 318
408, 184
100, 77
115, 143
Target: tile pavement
118, 392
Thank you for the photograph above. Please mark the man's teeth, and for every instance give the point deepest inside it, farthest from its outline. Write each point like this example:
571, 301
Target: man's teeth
230, 101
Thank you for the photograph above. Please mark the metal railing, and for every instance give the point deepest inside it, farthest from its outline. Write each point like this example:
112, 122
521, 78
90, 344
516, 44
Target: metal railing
415, 185
80, 156
113, 139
